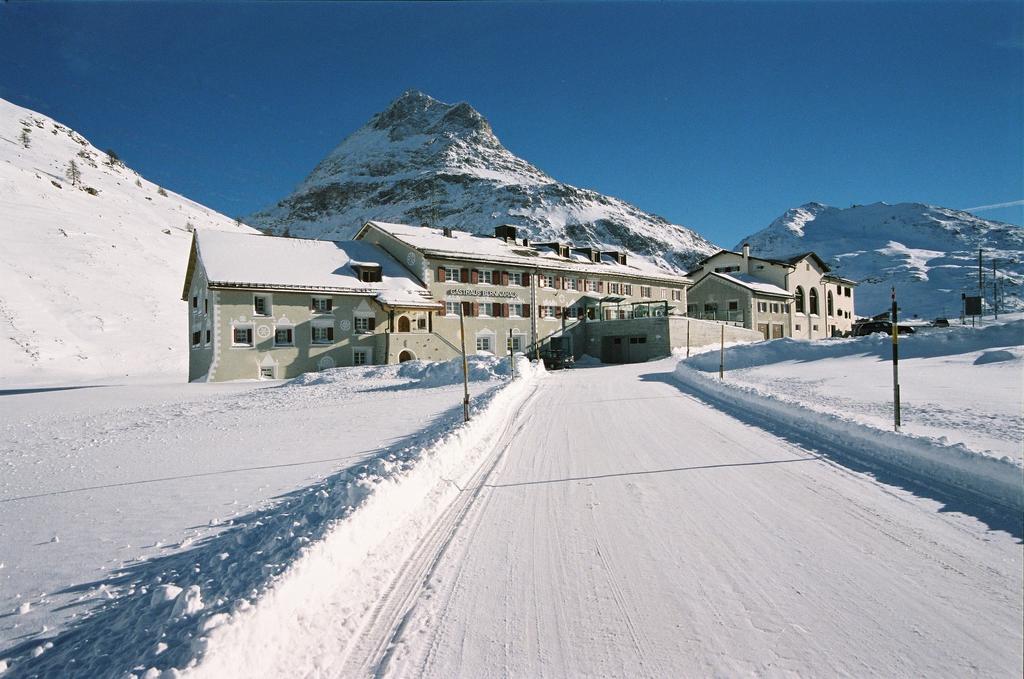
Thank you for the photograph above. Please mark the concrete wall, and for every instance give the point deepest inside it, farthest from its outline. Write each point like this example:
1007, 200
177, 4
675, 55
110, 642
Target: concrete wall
200, 319
660, 336
704, 333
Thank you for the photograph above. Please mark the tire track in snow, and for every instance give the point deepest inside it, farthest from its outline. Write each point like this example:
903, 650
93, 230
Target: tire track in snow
375, 642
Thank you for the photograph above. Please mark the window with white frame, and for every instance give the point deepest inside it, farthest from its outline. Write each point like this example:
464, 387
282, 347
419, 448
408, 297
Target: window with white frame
241, 336
261, 305
591, 286
515, 310
452, 274
196, 338
547, 312
572, 284
284, 336
451, 308
627, 289
486, 276
726, 269
485, 343
515, 343
762, 307
776, 308
321, 305
360, 356
515, 278
363, 324
323, 334
546, 280
645, 291
486, 309
677, 295
613, 288
195, 304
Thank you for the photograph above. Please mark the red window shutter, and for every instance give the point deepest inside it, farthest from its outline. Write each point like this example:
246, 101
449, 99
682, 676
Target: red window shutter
600, 286
441, 274
583, 285
474, 276
464, 275
504, 310
526, 311
526, 280
476, 309
504, 277
558, 312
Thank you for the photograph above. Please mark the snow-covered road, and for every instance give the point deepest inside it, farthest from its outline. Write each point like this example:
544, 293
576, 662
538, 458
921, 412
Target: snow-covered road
622, 527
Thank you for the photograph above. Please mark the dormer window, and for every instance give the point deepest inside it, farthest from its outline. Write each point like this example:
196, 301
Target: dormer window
367, 272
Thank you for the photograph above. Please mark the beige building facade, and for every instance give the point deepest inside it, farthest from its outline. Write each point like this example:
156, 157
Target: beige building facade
796, 297
264, 307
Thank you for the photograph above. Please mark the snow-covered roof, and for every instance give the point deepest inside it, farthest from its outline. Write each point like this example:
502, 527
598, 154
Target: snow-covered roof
751, 283
789, 260
256, 260
464, 245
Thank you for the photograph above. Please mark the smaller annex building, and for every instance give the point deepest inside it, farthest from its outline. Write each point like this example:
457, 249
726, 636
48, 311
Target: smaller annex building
792, 297
273, 307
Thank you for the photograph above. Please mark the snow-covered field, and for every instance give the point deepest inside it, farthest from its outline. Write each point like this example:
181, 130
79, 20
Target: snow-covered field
90, 271
105, 489
961, 385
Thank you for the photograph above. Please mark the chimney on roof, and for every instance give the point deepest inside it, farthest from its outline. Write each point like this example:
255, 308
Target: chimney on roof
526, 242
506, 232
447, 231
746, 258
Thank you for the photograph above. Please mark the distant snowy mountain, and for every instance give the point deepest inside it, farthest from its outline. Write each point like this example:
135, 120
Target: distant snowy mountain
90, 274
424, 161
930, 254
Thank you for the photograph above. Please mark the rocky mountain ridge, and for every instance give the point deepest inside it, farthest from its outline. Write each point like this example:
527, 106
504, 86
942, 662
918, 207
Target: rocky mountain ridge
422, 161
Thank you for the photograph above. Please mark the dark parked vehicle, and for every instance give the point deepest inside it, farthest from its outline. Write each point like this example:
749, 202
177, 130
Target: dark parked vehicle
940, 323
871, 327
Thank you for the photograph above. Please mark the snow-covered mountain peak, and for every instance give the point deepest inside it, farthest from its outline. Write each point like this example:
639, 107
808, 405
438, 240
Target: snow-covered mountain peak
929, 253
425, 161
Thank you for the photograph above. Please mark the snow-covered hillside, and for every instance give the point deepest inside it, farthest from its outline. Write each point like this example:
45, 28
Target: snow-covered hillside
929, 253
92, 269
424, 161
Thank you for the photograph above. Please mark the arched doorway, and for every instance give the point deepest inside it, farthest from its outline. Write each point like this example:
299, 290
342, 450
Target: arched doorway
403, 324
406, 355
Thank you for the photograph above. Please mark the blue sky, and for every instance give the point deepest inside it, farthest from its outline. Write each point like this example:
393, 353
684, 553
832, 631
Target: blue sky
719, 116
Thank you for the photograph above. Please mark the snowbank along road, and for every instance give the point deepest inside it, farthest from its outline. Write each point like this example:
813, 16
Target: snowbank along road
617, 525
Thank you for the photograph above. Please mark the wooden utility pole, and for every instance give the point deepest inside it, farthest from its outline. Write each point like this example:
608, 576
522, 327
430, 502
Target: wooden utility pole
465, 364
511, 355
895, 365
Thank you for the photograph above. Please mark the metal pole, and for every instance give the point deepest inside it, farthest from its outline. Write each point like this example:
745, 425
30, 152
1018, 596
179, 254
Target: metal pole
687, 338
995, 300
981, 287
895, 365
465, 364
511, 355
721, 357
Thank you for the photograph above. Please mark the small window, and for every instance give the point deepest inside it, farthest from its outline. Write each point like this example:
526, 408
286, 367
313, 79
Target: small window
364, 324
452, 274
360, 357
613, 288
241, 337
323, 334
369, 274
547, 312
451, 308
486, 309
196, 338
515, 343
206, 305
677, 295
846, 292
762, 307
321, 305
515, 278
546, 280
645, 291
195, 302
591, 286
797, 326
283, 337
572, 284
627, 289
710, 307
487, 276
734, 305
261, 305
776, 308
421, 324
726, 269
515, 310
484, 343
207, 336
